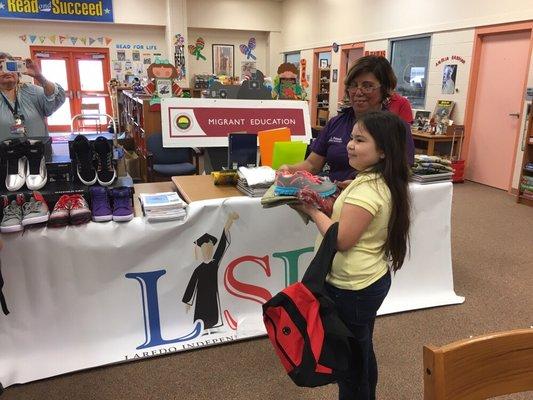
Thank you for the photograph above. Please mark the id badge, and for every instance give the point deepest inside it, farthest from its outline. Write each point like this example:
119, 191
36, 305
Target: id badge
18, 127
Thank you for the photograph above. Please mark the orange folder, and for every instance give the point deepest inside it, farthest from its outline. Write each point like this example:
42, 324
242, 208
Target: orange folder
267, 138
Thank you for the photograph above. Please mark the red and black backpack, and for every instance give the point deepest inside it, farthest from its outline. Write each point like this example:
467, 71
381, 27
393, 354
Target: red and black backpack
313, 344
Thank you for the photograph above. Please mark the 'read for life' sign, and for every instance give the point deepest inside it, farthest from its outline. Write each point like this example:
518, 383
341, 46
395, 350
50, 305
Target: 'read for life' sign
208, 122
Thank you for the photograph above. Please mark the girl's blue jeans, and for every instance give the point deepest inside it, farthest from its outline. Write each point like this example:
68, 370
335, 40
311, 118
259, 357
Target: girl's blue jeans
358, 308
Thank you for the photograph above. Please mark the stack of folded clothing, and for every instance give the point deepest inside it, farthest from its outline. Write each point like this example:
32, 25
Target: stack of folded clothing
254, 182
526, 186
301, 187
429, 169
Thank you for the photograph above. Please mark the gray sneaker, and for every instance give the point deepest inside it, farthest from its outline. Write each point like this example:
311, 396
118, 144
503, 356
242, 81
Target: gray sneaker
288, 184
35, 211
12, 219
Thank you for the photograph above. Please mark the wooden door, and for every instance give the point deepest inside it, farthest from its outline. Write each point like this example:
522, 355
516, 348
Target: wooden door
499, 93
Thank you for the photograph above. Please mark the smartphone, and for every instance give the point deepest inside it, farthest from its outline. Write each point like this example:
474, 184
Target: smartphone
13, 66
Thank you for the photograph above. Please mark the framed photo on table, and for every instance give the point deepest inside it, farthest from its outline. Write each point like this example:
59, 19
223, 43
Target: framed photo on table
223, 59
323, 63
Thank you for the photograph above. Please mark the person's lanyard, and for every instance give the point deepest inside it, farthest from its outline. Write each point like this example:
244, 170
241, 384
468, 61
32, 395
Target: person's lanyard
14, 111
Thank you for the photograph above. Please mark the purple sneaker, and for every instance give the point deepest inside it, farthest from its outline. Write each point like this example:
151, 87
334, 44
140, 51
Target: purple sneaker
101, 209
122, 206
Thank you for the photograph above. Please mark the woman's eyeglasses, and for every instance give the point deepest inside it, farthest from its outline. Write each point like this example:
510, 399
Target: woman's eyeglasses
365, 88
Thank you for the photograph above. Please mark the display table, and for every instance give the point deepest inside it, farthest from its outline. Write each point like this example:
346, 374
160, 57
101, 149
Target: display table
201, 187
432, 139
84, 296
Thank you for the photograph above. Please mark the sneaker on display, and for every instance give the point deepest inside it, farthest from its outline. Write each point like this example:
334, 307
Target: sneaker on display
61, 212
35, 211
101, 208
84, 157
12, 219
36, 175
80, 212
105, 171
14, 152
287, 184
122, 207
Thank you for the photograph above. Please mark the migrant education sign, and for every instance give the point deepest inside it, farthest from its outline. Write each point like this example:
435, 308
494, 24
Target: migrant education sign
207, 122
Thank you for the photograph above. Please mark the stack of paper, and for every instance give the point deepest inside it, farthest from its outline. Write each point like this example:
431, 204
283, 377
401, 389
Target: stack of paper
163, 206
432, 178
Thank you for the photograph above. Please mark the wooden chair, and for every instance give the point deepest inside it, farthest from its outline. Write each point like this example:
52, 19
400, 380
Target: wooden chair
480, 368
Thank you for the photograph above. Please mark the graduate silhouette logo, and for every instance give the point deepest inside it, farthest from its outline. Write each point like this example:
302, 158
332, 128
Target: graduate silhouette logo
202, 289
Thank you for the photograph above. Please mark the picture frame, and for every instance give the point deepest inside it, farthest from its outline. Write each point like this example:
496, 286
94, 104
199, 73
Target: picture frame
334, 76
223, 59
421, 119
323, 63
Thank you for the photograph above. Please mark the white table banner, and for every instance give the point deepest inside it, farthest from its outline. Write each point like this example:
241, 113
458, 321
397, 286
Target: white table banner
81, 297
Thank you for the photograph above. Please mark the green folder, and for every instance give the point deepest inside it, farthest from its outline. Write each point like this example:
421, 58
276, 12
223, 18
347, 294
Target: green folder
288, 153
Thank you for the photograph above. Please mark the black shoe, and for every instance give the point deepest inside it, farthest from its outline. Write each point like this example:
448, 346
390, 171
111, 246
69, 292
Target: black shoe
104, 154
14, 152
36, 174
84, 157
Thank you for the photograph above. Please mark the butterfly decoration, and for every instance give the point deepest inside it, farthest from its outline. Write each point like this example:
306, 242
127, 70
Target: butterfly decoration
247, 50
195, 50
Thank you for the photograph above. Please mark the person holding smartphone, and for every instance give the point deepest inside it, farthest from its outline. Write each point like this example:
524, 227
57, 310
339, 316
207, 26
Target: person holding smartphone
24, 106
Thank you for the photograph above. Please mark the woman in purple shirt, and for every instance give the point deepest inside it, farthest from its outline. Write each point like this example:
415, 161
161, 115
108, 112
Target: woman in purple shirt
369, 84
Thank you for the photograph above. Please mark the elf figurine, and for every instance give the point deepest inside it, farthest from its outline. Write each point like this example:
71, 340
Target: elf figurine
162, 75
286, 84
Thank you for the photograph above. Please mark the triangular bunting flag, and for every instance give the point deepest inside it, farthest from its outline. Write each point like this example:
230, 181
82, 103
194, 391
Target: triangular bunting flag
107, 41
83, 40
91, 41
42, 39
73, 39
101, 40
23, 38
52, 39
62, 39
32, 38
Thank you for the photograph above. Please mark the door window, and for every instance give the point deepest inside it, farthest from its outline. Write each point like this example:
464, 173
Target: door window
83, 73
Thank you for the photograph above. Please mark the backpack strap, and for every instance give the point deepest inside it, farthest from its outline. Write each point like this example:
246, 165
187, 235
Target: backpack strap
315, 275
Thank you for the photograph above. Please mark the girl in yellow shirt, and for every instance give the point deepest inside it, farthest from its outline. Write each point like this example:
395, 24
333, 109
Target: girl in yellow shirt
373, 216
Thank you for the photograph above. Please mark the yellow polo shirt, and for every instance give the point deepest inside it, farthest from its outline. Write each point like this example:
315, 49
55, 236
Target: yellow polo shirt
364, 263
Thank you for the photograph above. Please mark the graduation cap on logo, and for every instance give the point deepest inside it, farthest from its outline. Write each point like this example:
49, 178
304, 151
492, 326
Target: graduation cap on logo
206, 238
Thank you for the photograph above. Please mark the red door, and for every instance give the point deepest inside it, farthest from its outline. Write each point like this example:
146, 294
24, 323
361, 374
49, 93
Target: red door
504, 59
83, 73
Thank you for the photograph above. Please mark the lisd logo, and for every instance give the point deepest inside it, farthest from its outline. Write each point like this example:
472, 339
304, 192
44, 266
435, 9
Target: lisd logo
148, 283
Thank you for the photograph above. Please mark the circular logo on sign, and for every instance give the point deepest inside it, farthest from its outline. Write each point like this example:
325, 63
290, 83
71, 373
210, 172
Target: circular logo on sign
183, 122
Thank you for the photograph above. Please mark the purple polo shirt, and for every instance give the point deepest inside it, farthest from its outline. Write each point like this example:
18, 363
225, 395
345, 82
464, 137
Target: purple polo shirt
332, 142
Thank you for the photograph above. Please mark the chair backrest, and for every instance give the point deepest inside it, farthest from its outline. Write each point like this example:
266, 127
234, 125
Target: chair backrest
480, 368
267, 138
322, 116
166, 155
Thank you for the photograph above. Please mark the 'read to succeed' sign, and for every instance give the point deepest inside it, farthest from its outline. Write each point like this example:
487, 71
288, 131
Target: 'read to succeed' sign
208, 122
66, 10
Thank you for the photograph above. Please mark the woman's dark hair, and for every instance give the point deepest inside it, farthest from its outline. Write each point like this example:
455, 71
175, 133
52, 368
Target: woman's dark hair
389, 133
381, 69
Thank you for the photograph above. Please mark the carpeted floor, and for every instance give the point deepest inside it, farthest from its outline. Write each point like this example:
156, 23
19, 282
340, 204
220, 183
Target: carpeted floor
492, 240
